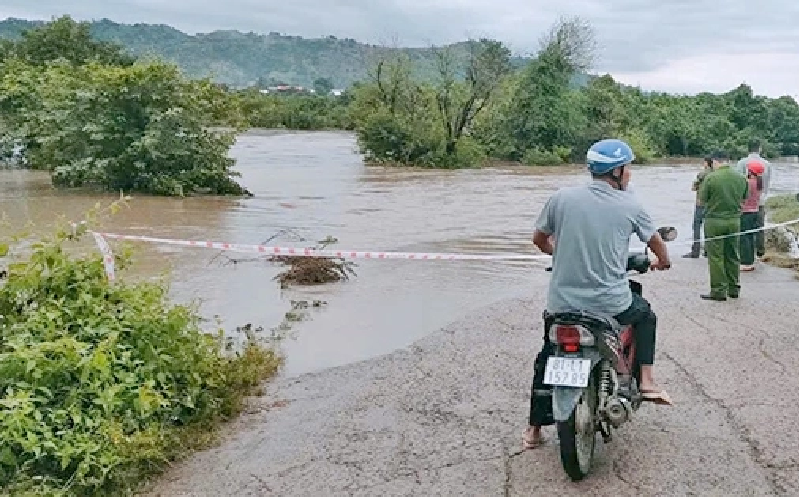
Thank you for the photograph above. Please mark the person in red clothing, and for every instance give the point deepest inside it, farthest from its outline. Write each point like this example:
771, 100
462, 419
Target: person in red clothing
749, 214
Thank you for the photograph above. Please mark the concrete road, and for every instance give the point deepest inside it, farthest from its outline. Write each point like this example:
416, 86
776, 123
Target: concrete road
445, 416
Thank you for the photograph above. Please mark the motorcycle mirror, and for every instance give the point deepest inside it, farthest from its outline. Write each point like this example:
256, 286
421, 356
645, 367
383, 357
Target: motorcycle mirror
668, 233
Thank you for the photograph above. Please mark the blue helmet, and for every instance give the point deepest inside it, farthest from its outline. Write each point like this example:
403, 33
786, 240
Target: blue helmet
606, 155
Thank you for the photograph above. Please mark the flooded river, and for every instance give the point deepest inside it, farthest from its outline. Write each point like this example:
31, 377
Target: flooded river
316, 185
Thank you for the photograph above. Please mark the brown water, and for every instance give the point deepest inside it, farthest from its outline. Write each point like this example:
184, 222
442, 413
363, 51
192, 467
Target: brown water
317, 185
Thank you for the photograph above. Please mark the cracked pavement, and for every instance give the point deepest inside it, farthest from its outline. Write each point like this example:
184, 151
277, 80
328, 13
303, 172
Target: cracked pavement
445, 416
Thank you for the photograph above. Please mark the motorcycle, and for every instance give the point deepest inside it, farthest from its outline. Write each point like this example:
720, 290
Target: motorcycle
593, 374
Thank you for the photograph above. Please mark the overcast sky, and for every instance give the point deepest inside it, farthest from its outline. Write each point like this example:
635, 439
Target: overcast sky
675, 45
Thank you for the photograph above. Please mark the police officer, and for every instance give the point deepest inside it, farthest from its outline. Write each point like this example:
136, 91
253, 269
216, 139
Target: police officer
722, 193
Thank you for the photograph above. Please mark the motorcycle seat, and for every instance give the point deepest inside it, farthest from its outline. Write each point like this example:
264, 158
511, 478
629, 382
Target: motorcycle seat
591, 320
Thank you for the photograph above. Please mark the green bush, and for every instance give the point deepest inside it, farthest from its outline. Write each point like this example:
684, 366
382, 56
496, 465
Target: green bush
539, 157
102, 384
641, 145
395, 139
304, 112
137, 128
468, 153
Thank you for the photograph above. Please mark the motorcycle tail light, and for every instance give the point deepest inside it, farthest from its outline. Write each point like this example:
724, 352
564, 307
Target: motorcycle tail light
571, 337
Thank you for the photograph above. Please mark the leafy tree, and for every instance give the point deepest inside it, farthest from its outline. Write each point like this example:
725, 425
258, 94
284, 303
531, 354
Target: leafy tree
137, 128
6, 49
460, 102
66, 39
323, 86
784, 124
546, 112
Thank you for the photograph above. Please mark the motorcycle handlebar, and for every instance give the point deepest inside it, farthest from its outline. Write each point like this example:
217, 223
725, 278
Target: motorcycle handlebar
639, 261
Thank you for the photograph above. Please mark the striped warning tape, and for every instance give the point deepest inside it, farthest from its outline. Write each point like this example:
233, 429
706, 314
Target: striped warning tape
108, 258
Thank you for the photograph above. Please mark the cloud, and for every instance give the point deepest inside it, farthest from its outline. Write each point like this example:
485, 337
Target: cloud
665, 44
771, 74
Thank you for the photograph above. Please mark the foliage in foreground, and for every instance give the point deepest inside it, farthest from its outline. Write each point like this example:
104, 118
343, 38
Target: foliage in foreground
102, 384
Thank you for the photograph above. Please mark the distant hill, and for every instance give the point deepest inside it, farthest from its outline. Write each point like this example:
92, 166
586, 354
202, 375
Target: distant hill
242, 59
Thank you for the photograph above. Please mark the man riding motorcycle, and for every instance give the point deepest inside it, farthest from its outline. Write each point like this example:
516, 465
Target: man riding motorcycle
591, 226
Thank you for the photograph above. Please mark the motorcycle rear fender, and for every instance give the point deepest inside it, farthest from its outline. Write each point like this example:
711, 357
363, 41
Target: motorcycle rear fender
564, 399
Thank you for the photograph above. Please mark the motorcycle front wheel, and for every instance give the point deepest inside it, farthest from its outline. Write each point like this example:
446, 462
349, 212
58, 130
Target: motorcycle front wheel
578, 434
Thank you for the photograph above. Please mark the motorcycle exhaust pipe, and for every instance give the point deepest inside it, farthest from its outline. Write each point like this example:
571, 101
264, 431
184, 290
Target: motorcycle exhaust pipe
618, 411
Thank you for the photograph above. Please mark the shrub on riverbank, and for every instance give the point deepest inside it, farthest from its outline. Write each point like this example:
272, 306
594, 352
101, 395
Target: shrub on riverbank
102, 384
782, 208
301, 112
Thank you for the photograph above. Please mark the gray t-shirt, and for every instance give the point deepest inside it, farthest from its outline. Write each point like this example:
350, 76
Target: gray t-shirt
592, 225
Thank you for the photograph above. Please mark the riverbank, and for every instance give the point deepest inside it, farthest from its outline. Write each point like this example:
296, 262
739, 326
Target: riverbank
444, 416
781, 209
565, 168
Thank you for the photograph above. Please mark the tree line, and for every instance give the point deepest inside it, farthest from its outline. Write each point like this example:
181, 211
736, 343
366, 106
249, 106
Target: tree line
484, 110
93, 115
483, 106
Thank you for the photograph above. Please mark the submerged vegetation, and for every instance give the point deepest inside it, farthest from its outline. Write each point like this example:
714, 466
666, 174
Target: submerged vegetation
313, 270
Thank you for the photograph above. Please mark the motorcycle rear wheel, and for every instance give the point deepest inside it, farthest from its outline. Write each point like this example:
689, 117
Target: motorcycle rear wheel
578, 434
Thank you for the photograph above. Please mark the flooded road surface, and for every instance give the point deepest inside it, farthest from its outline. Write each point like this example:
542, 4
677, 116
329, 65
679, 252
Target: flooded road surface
316, 185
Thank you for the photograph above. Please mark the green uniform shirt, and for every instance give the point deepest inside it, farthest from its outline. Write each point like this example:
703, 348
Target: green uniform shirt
722, 193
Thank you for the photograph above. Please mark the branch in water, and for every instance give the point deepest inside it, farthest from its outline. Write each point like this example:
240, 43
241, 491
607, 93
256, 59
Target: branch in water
300, 270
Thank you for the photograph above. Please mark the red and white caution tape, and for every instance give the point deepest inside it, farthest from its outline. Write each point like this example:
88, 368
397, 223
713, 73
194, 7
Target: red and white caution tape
747, 232
108, 258
307, 252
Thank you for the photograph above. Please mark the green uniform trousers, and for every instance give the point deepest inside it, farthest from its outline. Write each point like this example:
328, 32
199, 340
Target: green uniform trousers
723, 256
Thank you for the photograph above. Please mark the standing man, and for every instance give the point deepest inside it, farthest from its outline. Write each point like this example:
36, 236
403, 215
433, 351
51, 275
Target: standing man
722, 193
699, 209
755, 150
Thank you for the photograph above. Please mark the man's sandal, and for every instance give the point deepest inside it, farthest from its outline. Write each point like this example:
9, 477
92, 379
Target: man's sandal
659, 397
528, 442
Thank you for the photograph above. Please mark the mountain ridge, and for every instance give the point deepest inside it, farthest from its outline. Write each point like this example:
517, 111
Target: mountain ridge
242, 59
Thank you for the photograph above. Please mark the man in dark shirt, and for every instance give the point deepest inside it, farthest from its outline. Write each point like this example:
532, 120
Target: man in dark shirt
699, 209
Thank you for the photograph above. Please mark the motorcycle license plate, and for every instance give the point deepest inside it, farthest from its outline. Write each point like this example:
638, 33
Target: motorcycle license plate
567, 372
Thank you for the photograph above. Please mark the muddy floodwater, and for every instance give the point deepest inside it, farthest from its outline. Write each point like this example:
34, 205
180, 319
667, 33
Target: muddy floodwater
315, 184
